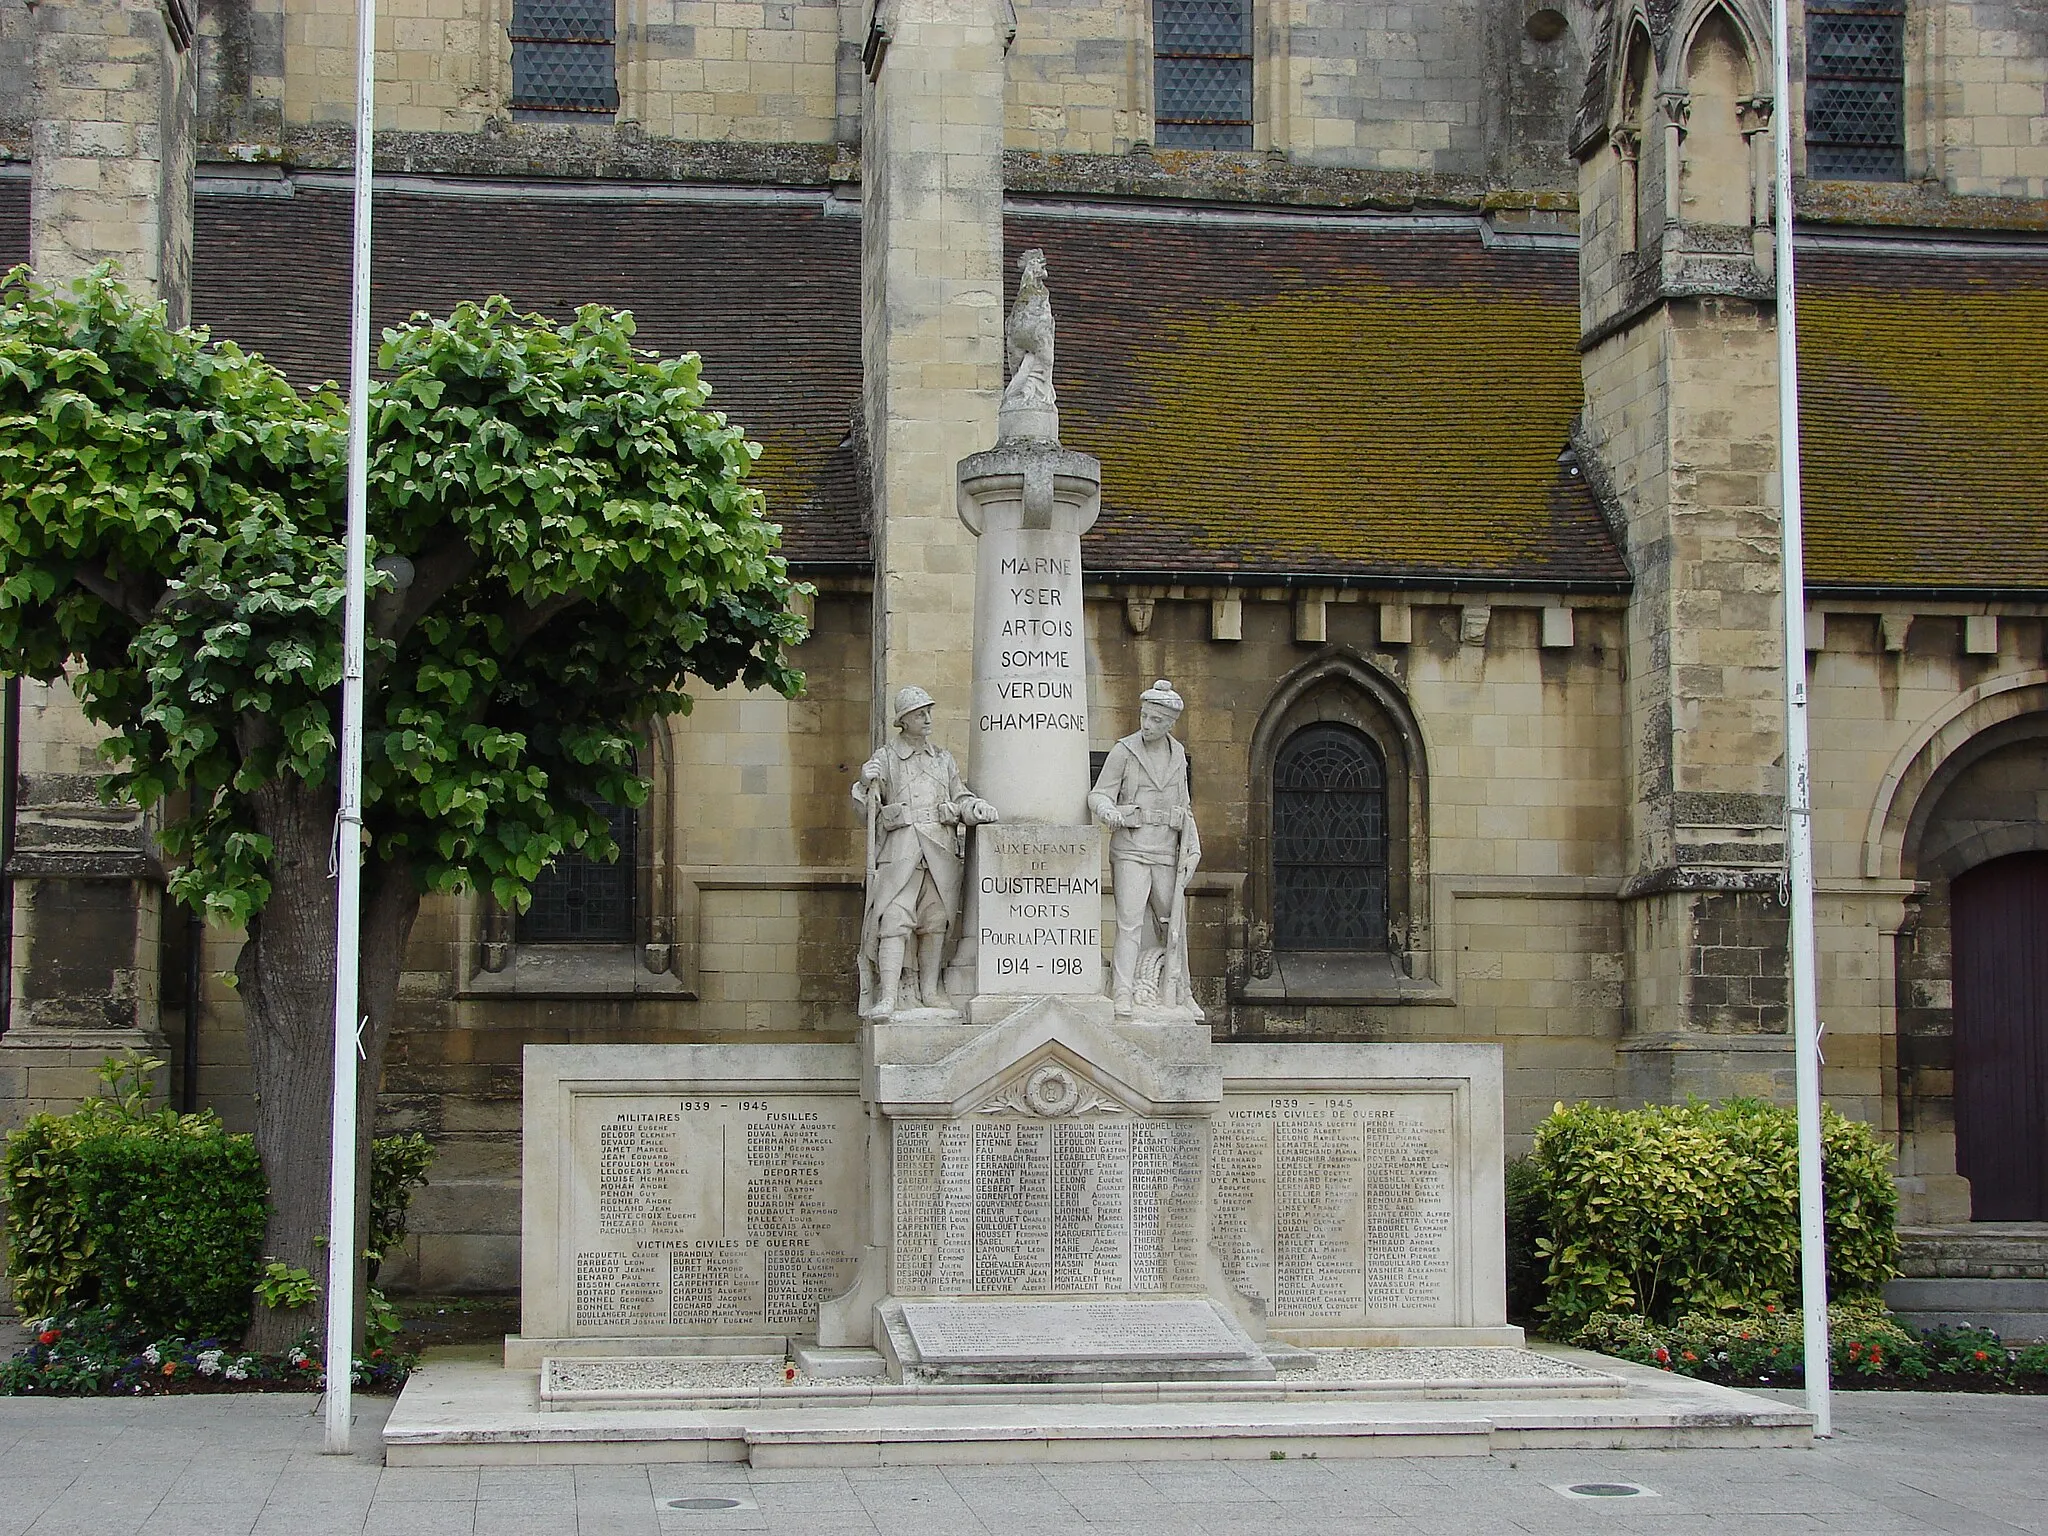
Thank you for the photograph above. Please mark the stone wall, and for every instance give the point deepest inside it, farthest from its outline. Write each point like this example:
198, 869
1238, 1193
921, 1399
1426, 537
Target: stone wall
1930, 756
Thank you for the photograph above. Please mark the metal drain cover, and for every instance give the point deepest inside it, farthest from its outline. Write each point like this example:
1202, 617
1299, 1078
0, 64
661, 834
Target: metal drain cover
1605, 1490
701, 1504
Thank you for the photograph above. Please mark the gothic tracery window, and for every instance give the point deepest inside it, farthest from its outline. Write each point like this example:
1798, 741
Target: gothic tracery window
1329, 841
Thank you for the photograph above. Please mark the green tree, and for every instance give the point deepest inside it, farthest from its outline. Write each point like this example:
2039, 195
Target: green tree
562, 535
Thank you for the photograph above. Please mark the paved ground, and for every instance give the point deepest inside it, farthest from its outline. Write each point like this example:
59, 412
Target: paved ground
209, 1466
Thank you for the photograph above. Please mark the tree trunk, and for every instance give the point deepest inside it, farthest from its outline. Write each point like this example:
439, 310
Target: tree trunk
286, 975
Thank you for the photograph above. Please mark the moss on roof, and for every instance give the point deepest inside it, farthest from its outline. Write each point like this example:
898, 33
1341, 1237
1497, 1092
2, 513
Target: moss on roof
1924, 418
1345, 402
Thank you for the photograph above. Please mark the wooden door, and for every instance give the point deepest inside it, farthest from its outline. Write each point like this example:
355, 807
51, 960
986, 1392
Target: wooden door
2000, 926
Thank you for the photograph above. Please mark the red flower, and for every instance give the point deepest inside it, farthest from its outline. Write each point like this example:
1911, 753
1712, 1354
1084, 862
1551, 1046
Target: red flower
1876, 1355
49, 1335
170, 1367
1982, 1356
1690, 1355
1855, 1346
1663, 1355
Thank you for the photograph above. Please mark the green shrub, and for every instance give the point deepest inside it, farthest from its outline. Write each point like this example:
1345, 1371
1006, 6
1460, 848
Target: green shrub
156, 1215
398, 1167
175, 1223
51, 1250
1528, 1220
1693, 1209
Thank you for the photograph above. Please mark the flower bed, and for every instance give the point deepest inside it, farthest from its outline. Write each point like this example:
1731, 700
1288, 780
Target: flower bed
98, 1352
1867, 1348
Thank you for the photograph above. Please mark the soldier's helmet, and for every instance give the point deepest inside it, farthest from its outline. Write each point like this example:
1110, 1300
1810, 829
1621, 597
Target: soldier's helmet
908, 699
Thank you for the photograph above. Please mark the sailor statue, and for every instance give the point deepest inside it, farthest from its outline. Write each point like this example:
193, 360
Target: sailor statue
1142, 795
918, 809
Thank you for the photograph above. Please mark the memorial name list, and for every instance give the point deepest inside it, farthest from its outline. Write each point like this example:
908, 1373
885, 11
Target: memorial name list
1336, 1208
723, 1213
1005, 1206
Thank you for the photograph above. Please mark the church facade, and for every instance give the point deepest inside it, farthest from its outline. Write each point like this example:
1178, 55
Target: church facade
1429, 354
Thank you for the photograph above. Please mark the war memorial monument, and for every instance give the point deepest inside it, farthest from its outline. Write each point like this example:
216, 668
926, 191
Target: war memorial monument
1037, 1189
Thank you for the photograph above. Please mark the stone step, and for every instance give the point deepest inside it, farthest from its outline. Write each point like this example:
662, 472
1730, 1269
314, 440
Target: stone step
2016, 1310
471, 1414
1985, 1250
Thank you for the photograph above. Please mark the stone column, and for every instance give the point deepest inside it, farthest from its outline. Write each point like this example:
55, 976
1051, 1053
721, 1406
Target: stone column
1035, 900
111, 171
1680, 432
932, 337
110, 180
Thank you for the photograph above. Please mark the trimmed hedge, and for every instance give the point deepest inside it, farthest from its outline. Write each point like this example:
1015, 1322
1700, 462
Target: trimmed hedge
1693, 1208
155, 1215
175, 1228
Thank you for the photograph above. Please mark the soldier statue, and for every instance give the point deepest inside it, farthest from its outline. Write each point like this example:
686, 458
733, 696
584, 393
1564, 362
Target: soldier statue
1142, 795
918, 809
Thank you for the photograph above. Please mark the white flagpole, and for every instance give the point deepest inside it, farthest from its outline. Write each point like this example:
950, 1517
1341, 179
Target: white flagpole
1813, 1259
348, 840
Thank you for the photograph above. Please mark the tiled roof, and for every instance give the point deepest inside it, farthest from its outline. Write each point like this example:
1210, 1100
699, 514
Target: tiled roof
1322, 400
769, 295
1924, 437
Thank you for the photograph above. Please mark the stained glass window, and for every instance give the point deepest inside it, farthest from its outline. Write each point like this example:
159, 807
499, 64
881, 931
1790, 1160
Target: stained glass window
1856, 89
1202, 73
562, 56
578, 900
1329, 841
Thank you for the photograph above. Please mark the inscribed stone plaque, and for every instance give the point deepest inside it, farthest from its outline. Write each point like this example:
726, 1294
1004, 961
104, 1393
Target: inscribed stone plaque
719, 1214
1039, 908
1337, 1208
1030, 720
1002, 1205
977, 1332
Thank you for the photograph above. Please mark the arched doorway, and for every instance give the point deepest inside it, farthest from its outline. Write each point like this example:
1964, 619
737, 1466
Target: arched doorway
2000, 939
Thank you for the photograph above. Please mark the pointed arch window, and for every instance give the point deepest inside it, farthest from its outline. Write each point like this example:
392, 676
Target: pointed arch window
1329, 841
578, 900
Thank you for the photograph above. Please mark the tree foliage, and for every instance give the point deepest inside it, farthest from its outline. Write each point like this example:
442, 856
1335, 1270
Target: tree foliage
563, 535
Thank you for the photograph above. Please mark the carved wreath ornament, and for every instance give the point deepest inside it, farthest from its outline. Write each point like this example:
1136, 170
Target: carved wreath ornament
1050, 1093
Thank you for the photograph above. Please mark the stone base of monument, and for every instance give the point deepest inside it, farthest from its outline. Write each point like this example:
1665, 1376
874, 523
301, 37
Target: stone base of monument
1179, 1338
1347, 1403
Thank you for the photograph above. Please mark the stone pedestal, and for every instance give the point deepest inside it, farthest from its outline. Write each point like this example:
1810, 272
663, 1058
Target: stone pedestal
87, 889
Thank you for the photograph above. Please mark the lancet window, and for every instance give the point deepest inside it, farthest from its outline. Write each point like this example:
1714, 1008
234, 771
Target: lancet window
564, 56
1856, 89
1329, 841
1202, 73
578, 900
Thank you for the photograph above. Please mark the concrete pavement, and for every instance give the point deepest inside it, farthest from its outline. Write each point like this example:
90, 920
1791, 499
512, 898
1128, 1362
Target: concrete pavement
251, 1464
